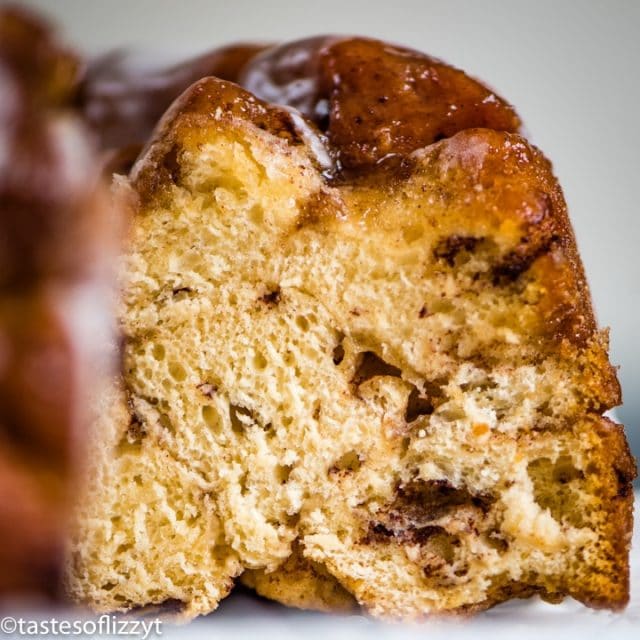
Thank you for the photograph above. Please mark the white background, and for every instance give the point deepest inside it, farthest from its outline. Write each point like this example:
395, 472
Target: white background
572, 68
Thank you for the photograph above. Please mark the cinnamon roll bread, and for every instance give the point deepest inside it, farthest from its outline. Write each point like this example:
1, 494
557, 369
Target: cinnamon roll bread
361, 365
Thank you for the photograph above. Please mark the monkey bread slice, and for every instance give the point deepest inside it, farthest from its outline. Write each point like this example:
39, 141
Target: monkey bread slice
352, 377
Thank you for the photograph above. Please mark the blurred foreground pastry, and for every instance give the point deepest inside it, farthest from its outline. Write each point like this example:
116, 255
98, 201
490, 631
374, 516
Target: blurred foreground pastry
360, 362
55, 228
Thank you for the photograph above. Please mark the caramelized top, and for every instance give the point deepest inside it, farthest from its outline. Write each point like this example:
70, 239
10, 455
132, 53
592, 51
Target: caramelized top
373, 100
211, 98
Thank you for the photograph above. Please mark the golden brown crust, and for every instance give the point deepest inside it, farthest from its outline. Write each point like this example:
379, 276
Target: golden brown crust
373, 99
607, 584
503, 198
303, 584
204, 102
603, 581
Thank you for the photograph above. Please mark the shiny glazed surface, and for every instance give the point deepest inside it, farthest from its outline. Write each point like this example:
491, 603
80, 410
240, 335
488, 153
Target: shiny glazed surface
371, 100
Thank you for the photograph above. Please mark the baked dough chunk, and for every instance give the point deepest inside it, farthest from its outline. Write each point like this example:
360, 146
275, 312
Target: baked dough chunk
385, 364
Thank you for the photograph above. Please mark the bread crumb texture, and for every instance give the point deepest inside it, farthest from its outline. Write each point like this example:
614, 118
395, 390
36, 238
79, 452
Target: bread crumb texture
385, 393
